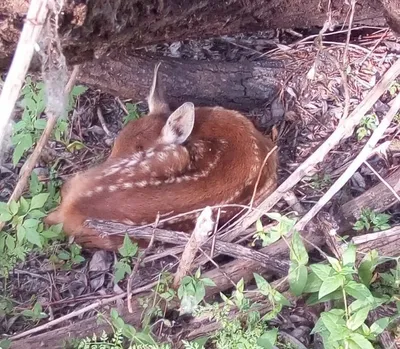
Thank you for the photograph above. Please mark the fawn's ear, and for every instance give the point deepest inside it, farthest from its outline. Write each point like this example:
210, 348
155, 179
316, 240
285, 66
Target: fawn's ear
179, 125
156, 99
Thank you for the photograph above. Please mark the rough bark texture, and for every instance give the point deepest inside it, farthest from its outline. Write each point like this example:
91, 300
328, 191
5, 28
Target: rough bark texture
91, 28
379, 198
240, 86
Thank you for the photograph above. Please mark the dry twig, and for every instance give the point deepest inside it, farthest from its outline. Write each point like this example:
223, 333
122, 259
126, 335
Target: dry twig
134, 271
33, 25
204, 225
361, 157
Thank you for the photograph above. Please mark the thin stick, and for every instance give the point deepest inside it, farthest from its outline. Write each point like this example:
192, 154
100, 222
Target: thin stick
387, 185
361, 157
358, 240
33, 25
76, 313
204, 225
344, 130
134, 271
30, 163
103, 123
353, 7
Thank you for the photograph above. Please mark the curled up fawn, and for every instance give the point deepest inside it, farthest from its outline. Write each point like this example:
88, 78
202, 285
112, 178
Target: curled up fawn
168, 163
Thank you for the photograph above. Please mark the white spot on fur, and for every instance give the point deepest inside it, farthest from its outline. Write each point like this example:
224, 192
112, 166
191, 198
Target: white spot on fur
141, 184
99, 189
112, 188
127, 185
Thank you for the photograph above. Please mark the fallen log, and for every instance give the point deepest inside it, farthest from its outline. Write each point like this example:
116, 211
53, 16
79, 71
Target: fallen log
378, 198
236, 85
92, 28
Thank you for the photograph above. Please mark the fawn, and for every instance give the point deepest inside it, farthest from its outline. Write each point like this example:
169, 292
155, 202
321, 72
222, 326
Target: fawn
168, 163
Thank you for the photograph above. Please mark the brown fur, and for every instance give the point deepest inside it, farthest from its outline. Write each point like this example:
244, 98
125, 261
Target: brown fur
165, 185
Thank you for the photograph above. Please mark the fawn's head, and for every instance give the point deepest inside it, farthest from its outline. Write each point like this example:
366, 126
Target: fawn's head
158, 127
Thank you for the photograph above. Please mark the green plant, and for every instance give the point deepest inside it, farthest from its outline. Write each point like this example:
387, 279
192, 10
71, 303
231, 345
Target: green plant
369, 219
192, 291
344, 326
36, 313
24, 229
367, 125
320, 182
122, 334
123, 266
28, 130
71, 257
133, 113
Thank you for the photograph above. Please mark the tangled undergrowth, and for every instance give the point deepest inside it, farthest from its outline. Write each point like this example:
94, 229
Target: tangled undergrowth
345, 302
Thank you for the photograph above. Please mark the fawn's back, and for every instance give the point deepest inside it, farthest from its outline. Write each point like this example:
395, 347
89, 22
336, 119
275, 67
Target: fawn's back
165, 164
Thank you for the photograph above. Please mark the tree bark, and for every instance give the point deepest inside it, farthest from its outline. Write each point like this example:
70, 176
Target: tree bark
378, 198
90, 29
240, 86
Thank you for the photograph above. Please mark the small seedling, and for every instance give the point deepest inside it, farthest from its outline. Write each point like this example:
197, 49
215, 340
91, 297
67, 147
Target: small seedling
370, 220
192, 291
36, 313
320, 182
123, 266
71, 257
368, 124
133, 113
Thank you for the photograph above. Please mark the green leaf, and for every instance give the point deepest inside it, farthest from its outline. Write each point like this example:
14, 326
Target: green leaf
39, 200
349, 255
32, 235
334, 324
64, 255
334, 263
329, 285
313, 283
23, 145
208, 282
40, 124
262, 284
21, 233
14, 207
298, 252
121, 268
358, 304
78, 90
297, 278
358, 318
358, 291
274, 216
23, 206
128, 249
5, 217
361, 341
5, 344
268, 339
380, 325
323, 271
259, 225
36, 214
49, 234
31, 223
